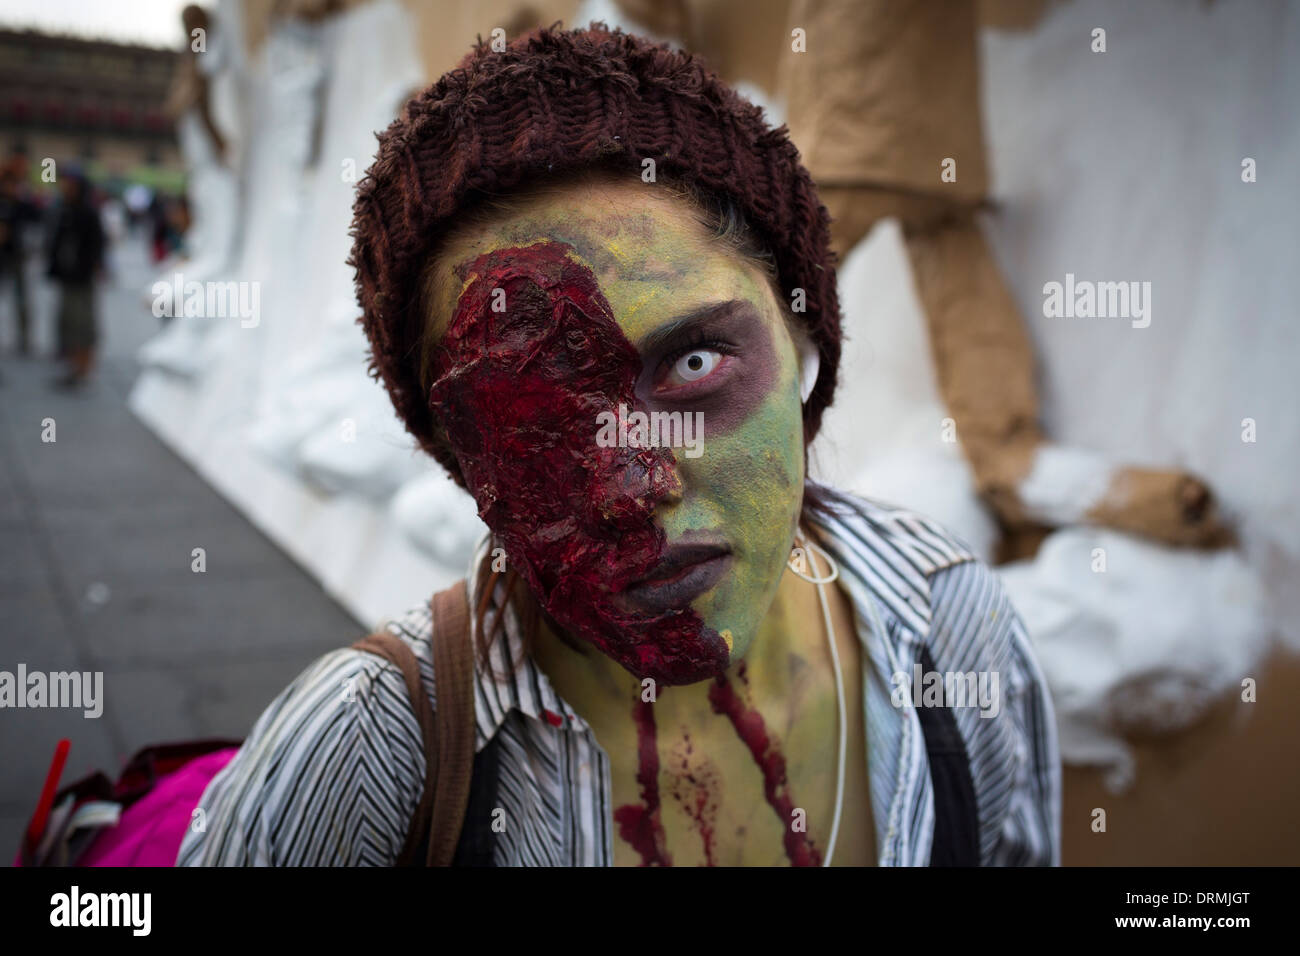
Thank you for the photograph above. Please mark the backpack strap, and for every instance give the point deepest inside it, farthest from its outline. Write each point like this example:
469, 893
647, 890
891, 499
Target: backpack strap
447, 733
956, 811
454, 659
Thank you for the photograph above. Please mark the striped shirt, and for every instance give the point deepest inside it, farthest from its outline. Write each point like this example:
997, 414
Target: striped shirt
333, 769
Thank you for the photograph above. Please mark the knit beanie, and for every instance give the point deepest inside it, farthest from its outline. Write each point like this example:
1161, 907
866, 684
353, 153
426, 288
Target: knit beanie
551, 103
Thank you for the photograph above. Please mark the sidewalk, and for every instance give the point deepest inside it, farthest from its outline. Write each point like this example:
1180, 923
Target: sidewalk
97, 533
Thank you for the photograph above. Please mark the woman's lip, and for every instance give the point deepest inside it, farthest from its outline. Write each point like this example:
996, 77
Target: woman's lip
686, 572
679, 557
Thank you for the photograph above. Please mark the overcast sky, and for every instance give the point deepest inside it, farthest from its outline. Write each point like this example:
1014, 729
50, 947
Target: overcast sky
153, 22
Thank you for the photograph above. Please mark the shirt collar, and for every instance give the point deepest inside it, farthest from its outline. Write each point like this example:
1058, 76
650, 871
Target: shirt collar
499, 689
881, 553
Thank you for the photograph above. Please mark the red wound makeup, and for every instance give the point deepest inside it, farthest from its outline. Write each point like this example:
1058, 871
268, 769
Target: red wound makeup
530, 359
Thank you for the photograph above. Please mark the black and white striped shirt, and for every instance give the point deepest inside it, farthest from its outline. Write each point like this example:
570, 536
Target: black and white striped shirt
333, 769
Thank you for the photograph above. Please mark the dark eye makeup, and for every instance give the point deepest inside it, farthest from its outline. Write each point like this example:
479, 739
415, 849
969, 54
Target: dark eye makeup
724, 328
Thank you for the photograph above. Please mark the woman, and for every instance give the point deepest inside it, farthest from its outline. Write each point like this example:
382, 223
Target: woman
599, 291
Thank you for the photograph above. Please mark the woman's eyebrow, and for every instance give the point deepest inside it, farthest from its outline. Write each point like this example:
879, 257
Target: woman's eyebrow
666, 334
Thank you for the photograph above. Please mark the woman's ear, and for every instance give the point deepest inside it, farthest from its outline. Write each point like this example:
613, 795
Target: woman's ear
810, 363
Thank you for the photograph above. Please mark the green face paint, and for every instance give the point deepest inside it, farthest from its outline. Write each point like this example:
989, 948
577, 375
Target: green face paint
714, 350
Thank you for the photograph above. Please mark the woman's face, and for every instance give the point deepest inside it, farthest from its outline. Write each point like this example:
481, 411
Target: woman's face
621, 392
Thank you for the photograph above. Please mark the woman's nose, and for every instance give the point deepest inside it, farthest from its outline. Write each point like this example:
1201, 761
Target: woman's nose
636, 483
671, 490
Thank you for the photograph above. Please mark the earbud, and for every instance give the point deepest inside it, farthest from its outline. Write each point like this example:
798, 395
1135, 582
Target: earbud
810, 363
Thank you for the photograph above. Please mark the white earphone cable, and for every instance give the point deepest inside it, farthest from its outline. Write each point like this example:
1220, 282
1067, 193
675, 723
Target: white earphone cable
821, 582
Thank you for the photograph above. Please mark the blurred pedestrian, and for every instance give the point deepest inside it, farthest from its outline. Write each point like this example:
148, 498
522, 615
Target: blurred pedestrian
76, 259
16, 211
178, 224
158, 246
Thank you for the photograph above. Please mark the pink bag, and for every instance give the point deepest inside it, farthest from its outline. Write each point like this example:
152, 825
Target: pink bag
150, 830
157, 794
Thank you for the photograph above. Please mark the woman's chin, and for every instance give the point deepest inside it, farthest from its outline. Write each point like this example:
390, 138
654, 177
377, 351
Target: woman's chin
684, 658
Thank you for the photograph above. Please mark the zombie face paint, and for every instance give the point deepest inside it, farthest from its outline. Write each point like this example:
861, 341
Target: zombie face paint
518, 391
563, 314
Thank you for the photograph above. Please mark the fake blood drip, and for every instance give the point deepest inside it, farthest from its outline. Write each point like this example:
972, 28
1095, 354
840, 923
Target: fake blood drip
776, 788
532, 356
695, 788
640, 824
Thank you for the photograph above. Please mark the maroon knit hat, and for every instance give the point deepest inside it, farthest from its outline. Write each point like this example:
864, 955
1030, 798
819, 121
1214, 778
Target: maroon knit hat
554, 102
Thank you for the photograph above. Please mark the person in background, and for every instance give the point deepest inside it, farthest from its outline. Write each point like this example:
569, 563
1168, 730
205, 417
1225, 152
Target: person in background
178, 224
158, 245
16, 211
76, 257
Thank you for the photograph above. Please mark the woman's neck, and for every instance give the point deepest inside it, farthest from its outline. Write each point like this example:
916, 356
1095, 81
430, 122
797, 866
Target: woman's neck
736, 757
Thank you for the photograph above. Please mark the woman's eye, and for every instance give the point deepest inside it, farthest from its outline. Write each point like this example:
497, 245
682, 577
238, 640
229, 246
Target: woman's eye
694, 365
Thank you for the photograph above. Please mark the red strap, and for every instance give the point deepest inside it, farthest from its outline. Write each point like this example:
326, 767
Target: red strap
41, 817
